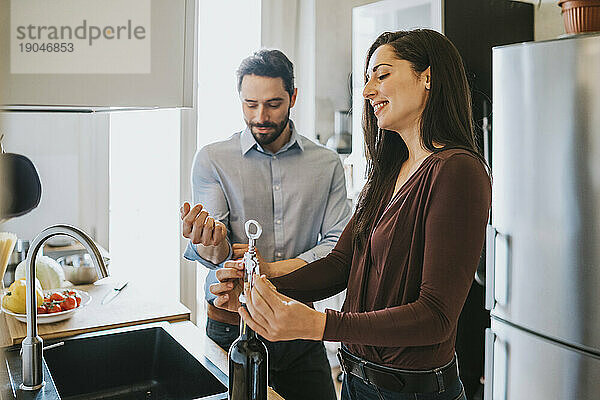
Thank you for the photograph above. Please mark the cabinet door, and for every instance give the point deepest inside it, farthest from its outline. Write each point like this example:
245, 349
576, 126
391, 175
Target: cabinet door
88, 54
368, 22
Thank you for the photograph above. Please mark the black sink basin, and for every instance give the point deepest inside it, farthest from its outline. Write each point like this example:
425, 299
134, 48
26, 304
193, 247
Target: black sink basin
138, 364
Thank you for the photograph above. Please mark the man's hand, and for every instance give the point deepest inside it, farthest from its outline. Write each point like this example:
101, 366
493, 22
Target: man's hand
231, 283
201, 228
238, 250
270, 269
277, 317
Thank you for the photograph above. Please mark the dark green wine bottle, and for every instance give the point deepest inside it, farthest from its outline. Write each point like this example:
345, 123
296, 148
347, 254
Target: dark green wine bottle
248, 367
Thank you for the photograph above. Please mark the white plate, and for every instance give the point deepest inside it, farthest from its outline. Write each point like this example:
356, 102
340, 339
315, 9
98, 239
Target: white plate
60, 316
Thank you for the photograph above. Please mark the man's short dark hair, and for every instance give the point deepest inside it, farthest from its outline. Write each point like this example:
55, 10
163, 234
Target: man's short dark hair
271, 63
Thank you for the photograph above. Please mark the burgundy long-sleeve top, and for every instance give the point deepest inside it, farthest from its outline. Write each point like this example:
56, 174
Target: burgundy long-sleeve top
407, 288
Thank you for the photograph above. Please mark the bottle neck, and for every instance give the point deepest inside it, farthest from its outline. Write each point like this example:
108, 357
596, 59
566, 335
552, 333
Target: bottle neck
246, 333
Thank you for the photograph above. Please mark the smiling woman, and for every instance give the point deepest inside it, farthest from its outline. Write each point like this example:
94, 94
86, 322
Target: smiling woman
408, 256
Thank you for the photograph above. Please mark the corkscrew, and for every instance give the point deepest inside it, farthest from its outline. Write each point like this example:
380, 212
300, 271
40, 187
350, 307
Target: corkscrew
251, 264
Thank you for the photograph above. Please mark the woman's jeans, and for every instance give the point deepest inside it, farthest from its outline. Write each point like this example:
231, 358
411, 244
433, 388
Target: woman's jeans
355, 388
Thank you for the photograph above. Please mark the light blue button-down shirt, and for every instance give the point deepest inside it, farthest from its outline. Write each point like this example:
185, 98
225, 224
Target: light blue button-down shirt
298, 195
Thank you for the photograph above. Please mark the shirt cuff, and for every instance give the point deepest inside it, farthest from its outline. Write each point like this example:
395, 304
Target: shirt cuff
319, 251
192, 254
308, 256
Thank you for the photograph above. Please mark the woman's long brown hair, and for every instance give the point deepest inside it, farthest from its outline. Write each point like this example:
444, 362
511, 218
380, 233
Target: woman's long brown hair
447, 118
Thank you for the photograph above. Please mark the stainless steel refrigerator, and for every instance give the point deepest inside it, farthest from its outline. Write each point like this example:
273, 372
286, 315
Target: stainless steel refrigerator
543, 244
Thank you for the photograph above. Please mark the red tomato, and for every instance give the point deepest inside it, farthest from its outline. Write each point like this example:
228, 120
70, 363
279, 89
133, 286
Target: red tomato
54, 308
69, 303
77, 298
57, 297
42, 309
68, 292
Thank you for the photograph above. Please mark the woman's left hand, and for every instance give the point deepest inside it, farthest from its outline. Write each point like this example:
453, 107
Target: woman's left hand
277, 317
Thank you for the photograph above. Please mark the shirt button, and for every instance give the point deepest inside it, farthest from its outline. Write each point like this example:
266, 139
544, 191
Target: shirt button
276, 187
278, 222
274, 157
279, 254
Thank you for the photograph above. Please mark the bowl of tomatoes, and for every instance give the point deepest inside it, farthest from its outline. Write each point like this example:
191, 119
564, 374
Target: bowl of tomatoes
58, 305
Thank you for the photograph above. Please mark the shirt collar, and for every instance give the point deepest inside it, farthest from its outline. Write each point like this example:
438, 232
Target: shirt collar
248, 142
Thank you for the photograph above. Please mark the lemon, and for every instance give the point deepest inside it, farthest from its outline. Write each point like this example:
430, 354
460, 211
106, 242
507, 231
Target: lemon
14, 300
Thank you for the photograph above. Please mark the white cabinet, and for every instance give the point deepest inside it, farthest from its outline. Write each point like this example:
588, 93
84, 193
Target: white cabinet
114, 70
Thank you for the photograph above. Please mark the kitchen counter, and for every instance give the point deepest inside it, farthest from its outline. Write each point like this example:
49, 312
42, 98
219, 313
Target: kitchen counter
5, 339
133, 306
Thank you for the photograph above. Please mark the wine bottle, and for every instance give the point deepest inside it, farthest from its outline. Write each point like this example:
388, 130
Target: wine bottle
248, 358
247, 366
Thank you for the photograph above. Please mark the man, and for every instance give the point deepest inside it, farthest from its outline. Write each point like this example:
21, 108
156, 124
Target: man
294, 188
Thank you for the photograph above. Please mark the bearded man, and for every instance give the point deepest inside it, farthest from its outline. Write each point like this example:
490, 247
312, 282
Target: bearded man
295, 189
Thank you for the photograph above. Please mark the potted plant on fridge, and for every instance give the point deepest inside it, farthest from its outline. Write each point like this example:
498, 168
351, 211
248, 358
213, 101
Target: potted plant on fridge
580, 15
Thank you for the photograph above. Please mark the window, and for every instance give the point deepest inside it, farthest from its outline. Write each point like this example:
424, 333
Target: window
228, 32
144, 198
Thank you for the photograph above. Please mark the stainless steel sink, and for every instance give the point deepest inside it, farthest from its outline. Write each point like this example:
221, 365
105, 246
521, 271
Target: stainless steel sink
132, 363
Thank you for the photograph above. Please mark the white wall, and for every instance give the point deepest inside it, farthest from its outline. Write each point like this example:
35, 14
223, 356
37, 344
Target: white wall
548, 21
70, 151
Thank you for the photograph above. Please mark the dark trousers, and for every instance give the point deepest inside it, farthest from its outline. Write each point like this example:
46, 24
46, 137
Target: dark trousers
355, 388
298, 369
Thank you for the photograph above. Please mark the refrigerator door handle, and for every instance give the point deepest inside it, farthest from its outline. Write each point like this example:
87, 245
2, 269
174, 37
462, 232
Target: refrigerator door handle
496, 367
488, 386
490, 259
497, 262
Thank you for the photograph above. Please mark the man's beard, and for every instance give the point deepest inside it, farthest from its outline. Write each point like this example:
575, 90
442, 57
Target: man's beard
267, 138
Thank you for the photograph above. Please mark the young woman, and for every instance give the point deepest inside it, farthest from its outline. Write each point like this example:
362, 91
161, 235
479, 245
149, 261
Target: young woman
408, 256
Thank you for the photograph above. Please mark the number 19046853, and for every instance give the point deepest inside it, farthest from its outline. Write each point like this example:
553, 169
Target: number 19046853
46, 47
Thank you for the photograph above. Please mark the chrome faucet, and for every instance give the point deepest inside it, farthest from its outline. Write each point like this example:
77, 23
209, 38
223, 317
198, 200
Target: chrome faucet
32, 346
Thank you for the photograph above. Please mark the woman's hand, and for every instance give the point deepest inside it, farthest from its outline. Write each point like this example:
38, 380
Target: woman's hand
277, 317
231, 283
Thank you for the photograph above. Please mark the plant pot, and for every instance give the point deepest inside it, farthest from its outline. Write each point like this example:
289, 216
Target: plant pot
580, 15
